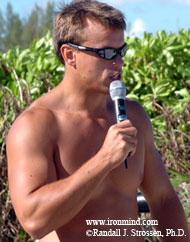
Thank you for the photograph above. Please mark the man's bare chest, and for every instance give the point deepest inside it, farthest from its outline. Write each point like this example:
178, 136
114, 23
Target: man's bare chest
79, 140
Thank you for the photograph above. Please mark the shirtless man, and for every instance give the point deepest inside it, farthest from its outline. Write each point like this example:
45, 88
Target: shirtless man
66, 154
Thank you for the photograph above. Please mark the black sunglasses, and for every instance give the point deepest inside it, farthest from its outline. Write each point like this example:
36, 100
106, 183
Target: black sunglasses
105, 53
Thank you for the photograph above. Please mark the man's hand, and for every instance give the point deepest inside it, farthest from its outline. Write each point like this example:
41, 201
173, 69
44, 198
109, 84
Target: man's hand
119, 142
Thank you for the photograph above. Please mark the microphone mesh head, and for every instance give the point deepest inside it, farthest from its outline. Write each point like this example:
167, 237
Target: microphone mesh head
117, 90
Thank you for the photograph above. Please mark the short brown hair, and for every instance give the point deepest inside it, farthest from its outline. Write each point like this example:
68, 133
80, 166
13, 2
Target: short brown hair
70, 21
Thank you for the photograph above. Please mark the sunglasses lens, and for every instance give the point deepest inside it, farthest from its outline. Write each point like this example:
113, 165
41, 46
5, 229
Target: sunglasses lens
110, 54
123, 51
101, 53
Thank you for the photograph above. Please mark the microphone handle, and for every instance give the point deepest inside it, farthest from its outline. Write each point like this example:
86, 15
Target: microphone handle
126, 165
121, 115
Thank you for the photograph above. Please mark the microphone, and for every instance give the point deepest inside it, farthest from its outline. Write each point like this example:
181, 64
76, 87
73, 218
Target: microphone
117, 92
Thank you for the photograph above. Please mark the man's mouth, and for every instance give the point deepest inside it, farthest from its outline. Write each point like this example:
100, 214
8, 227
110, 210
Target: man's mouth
116, 76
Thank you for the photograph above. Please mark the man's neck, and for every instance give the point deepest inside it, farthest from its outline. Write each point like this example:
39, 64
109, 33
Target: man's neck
89, 102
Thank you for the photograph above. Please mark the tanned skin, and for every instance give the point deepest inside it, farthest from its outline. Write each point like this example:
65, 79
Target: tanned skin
66, 155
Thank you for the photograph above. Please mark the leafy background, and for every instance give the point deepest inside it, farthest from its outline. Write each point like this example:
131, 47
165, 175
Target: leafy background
156, 73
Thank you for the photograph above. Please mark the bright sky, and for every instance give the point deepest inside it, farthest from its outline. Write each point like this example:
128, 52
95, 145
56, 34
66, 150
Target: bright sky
142, 15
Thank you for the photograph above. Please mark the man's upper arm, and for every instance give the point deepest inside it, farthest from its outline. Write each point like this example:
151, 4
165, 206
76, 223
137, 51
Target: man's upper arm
30, 156
156, 184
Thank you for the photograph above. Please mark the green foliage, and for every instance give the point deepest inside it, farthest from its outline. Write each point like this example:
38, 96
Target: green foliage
36, 67
156, 73
158, 70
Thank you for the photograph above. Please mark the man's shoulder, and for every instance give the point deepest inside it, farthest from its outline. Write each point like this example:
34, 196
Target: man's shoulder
134, 107
133, 103
37, 114
35, 119
137, 114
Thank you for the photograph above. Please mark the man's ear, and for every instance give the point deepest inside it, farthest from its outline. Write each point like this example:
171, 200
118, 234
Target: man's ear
68, 55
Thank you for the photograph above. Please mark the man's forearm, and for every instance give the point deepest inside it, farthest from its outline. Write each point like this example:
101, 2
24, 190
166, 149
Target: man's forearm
55, 204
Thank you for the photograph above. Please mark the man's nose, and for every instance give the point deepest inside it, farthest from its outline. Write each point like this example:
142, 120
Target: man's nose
118, 60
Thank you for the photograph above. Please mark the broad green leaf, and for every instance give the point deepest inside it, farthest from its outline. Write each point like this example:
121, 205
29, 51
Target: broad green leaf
169, 56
